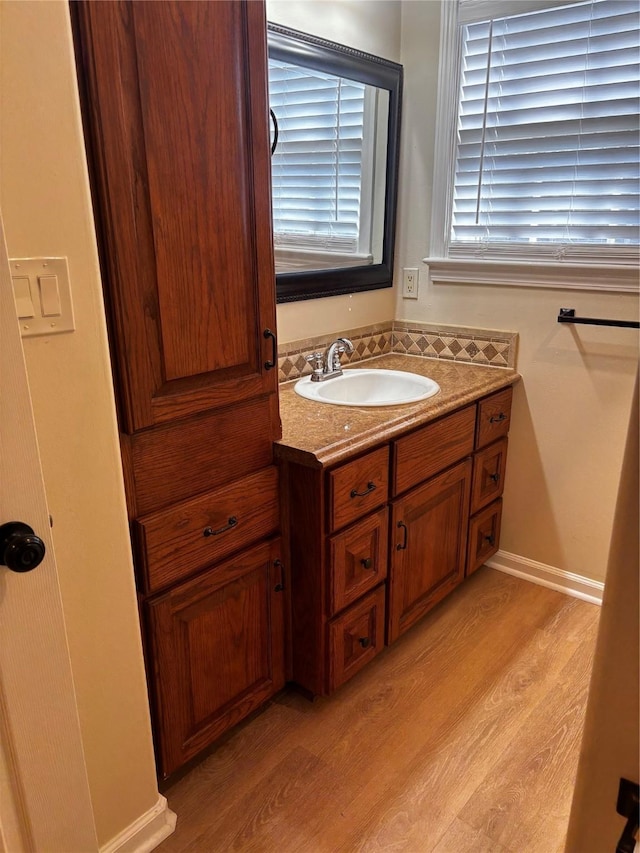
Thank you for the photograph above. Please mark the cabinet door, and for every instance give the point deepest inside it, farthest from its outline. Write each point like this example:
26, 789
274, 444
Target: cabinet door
428, 546
176, 112
217, 645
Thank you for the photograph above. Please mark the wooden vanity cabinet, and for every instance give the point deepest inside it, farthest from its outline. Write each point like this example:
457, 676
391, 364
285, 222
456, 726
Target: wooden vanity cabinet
380, 539
174, 101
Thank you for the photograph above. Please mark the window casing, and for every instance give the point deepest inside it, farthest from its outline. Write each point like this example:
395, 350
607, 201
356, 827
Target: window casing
538, 128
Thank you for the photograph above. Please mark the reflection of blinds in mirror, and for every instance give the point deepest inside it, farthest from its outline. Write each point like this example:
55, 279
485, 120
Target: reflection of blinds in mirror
317, 166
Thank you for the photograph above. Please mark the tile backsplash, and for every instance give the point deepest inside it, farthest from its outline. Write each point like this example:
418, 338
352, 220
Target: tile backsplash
429, 340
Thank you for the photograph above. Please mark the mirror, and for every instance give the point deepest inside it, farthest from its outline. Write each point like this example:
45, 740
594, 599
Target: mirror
335, 139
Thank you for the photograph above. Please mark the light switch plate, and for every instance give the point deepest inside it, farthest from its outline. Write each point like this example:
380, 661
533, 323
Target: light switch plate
43, 295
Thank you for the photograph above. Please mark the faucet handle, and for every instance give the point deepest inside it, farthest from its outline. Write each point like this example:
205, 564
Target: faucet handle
316, 360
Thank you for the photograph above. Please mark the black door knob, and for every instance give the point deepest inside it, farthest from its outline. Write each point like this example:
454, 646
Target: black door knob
20, 549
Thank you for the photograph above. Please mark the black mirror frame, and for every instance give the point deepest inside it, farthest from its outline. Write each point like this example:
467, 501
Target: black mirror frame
289, 45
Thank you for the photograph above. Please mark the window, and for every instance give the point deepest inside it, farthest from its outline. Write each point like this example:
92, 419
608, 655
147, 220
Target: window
544, 145
321, 167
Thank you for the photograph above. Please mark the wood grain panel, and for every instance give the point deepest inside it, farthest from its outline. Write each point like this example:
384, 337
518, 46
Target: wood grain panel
494, 417
177, 542
357, 560
199, 189
489, 468
428, 546
358, 487
303, 489
209, 641
175, 462
423, 453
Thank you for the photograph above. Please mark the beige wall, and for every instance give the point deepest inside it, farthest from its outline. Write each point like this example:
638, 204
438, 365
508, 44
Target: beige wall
45, 203
572, 407
373, 28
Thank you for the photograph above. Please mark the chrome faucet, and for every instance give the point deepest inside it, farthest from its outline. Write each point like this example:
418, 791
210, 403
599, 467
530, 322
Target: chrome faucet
329, 366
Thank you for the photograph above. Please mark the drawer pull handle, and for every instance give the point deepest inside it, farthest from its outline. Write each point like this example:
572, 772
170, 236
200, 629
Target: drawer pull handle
269, 335
279, 587
209, 531
495, 477
366, 562
497, 418
371, 487
365, 642
490, 539
406, 536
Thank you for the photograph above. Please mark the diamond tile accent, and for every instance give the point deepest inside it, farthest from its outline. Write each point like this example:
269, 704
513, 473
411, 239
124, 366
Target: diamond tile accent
479, 346
490, 352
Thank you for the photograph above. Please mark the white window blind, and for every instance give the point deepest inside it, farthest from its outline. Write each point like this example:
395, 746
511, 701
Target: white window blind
547, 149
317, 165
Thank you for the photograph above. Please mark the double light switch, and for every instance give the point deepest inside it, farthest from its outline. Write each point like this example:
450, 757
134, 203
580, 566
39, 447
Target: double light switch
42, 295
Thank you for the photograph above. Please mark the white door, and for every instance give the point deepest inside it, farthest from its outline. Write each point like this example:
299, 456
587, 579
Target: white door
44, 795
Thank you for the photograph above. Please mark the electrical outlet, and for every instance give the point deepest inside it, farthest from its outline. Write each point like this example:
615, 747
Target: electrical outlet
409, 283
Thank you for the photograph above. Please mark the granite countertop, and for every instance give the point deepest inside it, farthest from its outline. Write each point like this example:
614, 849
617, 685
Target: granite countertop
319, 434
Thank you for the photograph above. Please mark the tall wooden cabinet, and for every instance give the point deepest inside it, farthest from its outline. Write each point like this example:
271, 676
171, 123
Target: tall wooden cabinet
176, 122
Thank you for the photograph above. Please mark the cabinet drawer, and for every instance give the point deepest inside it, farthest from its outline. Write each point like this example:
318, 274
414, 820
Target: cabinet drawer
489, 466
356, 637
358, 560
494, 417
484, 535
433, 448
189, 536
358, 487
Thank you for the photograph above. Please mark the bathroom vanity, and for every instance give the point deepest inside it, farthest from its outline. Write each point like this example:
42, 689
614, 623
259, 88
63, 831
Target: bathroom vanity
386, 510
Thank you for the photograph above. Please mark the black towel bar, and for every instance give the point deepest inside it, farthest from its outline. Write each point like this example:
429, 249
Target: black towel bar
568, 315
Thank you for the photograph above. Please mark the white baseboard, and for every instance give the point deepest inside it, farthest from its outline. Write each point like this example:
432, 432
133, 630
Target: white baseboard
522, 567
145, 833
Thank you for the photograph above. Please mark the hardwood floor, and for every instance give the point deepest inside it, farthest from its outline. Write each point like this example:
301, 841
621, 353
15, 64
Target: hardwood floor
463, 736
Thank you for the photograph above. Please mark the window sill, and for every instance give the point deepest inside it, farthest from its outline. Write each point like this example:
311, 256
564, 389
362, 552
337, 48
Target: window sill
558, 275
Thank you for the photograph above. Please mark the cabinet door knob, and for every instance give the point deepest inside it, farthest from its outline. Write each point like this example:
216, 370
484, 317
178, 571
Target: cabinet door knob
20, 549
495, 477
490, 539
366, 562
371, 487
365, 642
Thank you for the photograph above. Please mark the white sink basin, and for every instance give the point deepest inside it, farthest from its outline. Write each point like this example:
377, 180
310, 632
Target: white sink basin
368, 388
